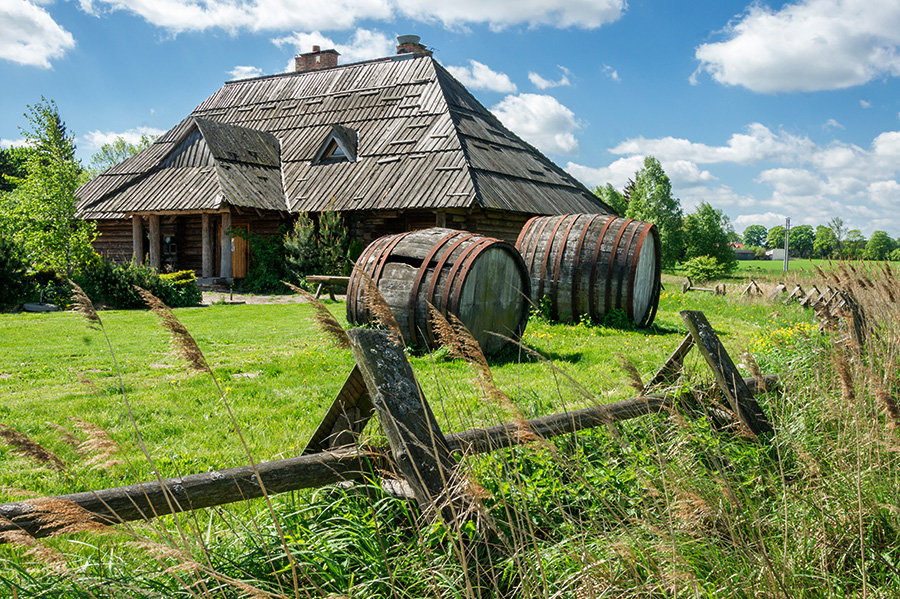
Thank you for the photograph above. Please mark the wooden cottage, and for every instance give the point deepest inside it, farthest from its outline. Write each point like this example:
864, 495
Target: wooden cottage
393, 144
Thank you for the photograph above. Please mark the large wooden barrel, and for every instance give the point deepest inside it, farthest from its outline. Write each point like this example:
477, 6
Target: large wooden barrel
591, 264
481, 280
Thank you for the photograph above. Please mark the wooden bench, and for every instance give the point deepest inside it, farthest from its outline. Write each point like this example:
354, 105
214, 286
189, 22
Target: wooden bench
327, 281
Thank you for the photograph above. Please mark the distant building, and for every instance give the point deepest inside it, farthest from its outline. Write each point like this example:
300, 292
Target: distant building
393, 144
776, 254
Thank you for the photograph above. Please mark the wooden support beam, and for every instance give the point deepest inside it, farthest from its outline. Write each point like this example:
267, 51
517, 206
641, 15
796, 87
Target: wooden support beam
727, 377
155, 242
672, 364
797, 293
346, 418
416, 440
806, 302
227, 247
137, 239
779, 289
207, 250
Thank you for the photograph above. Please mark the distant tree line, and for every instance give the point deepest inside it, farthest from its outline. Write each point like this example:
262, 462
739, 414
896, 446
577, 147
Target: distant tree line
831, 240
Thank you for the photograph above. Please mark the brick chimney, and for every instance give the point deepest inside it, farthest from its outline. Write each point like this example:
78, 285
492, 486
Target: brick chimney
317, 59
409, 44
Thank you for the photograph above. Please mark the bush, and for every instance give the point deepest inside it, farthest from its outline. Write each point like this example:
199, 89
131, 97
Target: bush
112, 285
267, 262
15, 284
704, 268
323, 250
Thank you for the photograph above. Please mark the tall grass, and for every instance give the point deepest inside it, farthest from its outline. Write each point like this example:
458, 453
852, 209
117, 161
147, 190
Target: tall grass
662, 506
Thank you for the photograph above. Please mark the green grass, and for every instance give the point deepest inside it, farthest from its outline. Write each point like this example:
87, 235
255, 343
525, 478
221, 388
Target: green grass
654, 507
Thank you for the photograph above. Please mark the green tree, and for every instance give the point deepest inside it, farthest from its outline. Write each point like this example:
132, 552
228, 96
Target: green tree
854, 244
879, 246
651, 200
706, 234
334, 241
825, 244
839, 230
755, 235
12, 166
612, 198
115, 152
775, 237
801, 240
40, 215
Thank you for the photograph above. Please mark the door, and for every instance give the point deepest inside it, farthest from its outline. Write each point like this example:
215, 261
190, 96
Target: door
240, 252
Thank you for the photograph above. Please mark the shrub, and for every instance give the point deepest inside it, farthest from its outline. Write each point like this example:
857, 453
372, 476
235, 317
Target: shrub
704, 268
15, 285
112, 285
302, 249
267, 262
326, 249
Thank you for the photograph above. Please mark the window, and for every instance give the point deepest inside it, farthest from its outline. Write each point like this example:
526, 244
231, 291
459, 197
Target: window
339, 146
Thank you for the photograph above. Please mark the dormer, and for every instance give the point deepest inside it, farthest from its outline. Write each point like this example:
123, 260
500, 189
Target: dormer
339, 146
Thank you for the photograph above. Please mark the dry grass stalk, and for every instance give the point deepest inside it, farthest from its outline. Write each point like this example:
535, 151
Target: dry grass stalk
378, 307
48, 556
889, 406
842, 366
634, 377
327, 323
453, 334
82, 305
17, 492
182, 342
66, 435
63, 517
23, 445
99, 443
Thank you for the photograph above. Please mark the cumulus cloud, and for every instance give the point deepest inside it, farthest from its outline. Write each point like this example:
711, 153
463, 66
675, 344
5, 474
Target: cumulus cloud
542, 83
541, 121
364, 44
480, 76
13, 143
94, 140
244, 72
29, 35
611, 72
865, 104
682, 173
832, 124
284, 15
807, 45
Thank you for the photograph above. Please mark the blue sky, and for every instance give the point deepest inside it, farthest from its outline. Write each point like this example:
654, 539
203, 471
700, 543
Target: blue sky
764, 110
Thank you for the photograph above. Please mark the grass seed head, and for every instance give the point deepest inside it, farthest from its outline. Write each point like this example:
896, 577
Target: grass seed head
327, 323
182, 342
98, 444
83, 305
378, 307
23, 445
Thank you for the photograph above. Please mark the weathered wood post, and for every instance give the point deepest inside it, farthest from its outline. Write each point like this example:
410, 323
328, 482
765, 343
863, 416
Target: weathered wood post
137, 238
155, 242
416, 441
207, 251
225, 263
728, 378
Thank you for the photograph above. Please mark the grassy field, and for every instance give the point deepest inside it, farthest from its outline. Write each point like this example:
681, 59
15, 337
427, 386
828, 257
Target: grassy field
656, 507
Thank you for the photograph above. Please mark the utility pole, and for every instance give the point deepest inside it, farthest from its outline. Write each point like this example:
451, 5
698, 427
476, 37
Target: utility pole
787, 235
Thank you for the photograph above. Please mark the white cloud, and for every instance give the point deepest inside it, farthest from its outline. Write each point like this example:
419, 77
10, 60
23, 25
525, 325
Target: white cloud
807, 45
618, 172
245, 72
541, 120
364, 44
30, 36
757, 143
480, 76
542, 83
865, 104
284, 15
766, 219
93, 140
832, 124
611, 72
13, 143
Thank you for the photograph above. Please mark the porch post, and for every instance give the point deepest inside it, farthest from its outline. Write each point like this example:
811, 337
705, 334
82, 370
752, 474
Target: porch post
137, 238
225, 266
207, 249
155, 249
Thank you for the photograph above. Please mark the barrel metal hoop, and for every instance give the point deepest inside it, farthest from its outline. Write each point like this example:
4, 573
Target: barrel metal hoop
461, 268
420, 276
441, 306
382, 259
629, 310
540, 289
607, 300
535, 243
554, 282
524, 233
592, 280
353, 285
634, 264
576, 261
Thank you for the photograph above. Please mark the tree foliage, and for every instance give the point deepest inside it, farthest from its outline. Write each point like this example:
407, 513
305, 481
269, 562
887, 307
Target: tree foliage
652, 201
801, 240
825, 244
879, 246
13, 162
612, 198
324, 249
706, 234
755, 235
854, 244
115, 152
775, 237
40, 215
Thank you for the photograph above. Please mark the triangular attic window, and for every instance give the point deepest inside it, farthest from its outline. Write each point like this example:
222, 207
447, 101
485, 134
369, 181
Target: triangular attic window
339, 146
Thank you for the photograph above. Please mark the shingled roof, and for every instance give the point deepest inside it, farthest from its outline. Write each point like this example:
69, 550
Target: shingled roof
421, 141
